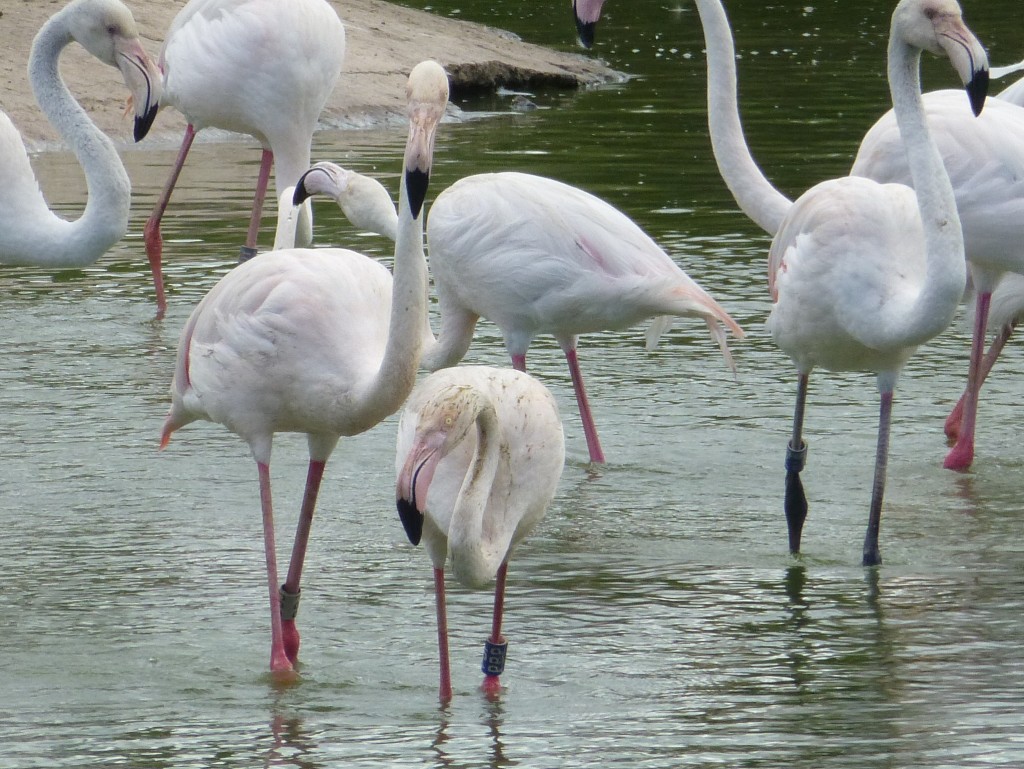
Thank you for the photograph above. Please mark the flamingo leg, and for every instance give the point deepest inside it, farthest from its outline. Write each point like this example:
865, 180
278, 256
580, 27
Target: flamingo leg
872, 557
492, 685
795, 503
952, 426
151, 232
248, 251
291, 588
445, 688
962, 453
279, 662
589, 428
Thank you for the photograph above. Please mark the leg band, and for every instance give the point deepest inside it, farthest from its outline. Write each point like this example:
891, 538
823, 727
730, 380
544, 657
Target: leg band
494, 658
246, 253
289, 604
795, 458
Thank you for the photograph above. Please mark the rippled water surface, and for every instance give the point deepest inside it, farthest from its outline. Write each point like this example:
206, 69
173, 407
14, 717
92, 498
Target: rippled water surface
655, 618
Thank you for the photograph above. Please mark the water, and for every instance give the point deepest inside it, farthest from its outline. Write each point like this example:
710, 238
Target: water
655, 618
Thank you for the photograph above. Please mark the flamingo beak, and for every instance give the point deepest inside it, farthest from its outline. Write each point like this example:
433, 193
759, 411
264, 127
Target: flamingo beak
144, 82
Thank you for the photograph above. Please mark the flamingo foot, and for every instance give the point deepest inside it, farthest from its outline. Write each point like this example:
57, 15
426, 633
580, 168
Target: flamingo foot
960, 456
491, 687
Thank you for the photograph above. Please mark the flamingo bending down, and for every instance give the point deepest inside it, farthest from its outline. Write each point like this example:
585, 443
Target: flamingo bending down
860, 273
534, 255
985, 161
30, 233
259, 67
479, 455
321, 341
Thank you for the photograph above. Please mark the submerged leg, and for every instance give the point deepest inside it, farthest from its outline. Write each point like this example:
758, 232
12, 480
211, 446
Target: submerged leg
279, 662
952, 426
872, 557
795, 503
248, 251
962, 453
494, 649
291, 589
151, 232
589, 428
445, 687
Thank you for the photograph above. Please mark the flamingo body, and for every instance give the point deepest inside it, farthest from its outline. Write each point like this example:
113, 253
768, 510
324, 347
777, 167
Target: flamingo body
322, 342
259, 67
534, 255
985, 161
30, 233
479, 456
860, 272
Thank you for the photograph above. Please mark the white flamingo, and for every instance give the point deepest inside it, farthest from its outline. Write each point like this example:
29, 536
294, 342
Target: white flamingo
479, 455
534, 256
860, 273
259, 67
30, 233
985, 161
317, 341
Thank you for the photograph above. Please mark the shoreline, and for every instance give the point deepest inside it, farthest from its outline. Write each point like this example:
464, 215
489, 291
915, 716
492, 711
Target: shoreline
384, 41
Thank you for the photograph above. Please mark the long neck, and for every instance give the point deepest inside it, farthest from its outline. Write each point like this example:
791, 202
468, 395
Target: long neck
764, 204
476, 550
105, 218
397, 373
945, 271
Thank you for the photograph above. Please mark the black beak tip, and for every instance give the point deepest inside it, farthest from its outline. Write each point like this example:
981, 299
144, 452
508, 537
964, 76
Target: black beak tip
416, 183
412, 520
144, 122
301, 194
585, 33
977, 90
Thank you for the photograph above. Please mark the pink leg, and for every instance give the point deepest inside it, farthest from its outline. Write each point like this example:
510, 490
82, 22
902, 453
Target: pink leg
589, 428
279, 662
492, 684
519, 362
952, 426
962, 454
872, 557
292, 586
249, 249
151, 232
445, 689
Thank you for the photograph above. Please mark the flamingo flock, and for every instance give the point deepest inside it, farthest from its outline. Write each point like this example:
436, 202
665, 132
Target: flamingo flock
327, 342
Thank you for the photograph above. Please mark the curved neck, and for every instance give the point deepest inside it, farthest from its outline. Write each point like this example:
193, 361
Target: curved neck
475, 555
758, 198
105, 218
945, 270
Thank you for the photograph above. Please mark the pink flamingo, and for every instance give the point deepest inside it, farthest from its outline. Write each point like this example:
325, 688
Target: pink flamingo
259, 67
317, 341
479, 455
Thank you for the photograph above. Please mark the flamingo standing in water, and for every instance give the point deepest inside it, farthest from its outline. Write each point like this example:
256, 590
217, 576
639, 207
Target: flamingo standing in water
860, 273
985, 161
534, 255
479, 455
30, 233
317, 341
259, 67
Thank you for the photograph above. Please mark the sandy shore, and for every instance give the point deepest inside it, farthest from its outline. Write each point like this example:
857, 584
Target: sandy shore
384, 42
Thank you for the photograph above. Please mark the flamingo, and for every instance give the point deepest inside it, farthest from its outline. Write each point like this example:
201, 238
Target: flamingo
985, 160
259, 67
860, 273
479, 454
534, 255
321, 342
30, 233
